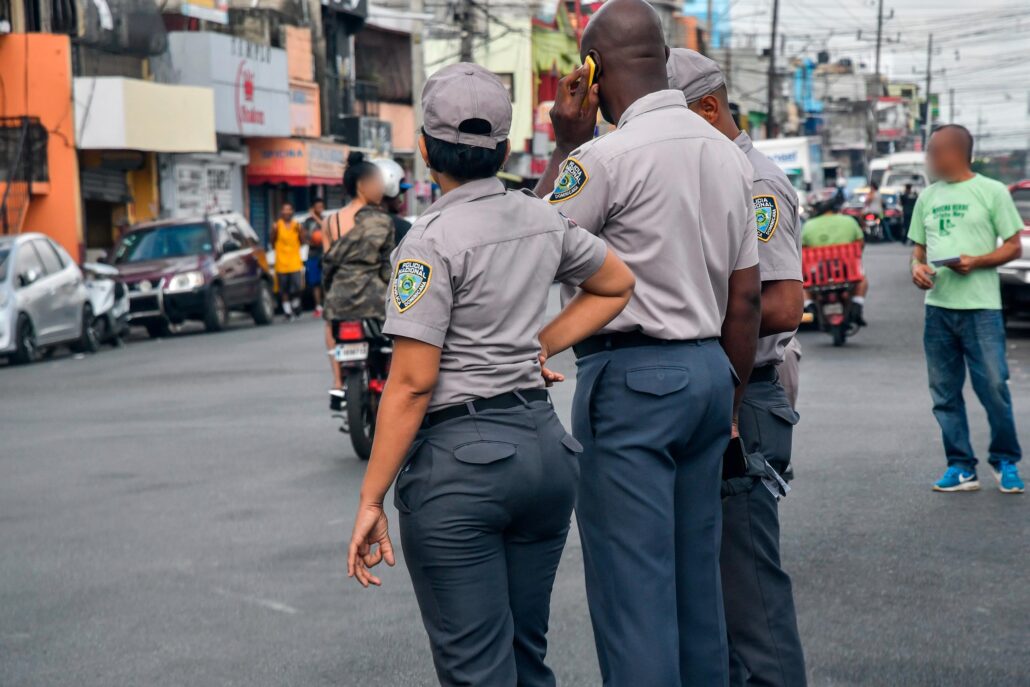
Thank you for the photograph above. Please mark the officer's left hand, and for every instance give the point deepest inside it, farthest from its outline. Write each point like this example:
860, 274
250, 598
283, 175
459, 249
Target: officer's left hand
550, 376
965, 265
370, 529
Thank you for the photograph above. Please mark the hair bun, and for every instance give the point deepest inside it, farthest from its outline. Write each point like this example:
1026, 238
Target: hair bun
355, 157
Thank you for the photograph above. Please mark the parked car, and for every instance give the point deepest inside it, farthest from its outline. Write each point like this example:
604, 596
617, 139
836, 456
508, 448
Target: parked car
43, 299
1015, 275
194, 269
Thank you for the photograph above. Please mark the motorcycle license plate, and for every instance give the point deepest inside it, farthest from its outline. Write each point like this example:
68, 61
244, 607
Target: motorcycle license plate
833, 309
347, 353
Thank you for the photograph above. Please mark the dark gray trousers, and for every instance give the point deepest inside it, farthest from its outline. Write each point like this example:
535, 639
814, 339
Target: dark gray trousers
654, 422
765, 648
485, 504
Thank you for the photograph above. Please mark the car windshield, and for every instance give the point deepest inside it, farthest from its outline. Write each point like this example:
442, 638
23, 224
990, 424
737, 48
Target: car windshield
1022, 198
5, 252
158, 243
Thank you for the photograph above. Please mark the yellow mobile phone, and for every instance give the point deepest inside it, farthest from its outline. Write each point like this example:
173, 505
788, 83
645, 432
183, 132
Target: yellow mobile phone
591, 76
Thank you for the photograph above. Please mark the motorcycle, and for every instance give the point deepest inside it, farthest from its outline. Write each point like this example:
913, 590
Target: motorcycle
832, 274
363, 353
872, 227
109, 301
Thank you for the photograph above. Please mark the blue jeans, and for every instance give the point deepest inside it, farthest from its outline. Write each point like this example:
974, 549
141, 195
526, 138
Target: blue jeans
955, 339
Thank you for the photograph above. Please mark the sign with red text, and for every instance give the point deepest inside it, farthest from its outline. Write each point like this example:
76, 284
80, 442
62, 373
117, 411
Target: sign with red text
250, 82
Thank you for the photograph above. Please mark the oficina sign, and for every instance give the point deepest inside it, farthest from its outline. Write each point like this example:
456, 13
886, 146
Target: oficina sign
250, 81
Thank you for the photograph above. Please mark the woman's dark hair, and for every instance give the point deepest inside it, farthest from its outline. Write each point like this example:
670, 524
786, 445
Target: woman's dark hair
463, 162
358, 168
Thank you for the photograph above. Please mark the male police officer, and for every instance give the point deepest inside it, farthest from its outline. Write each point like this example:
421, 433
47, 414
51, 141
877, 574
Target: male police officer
764, 645
655, 397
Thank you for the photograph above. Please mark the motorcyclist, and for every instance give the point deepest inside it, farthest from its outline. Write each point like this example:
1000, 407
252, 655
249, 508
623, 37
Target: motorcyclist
830, 228
393, 198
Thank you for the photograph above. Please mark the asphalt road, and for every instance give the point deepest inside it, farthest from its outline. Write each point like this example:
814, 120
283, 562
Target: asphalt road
174, 514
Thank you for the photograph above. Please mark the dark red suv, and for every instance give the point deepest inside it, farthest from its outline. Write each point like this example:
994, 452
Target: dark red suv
194, 269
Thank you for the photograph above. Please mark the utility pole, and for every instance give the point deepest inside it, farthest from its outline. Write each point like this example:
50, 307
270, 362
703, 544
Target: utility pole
418, 80
770, 123
710, 36
879, 40
951, 105
928, 113
466, 24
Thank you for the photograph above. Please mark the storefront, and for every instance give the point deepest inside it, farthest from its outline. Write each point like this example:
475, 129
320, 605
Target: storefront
253, 103
292, 170
123, 125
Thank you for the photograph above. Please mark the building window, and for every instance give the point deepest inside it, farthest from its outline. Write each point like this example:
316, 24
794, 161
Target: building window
23, 145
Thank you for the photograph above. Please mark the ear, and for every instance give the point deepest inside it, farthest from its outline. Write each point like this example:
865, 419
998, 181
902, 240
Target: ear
422, 149
708, 107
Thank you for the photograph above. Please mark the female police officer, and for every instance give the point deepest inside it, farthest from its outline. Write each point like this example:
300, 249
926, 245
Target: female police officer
488, 485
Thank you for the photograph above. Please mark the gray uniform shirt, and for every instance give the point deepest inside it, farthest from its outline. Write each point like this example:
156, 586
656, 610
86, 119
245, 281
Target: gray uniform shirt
672, 197
779, 235
472, 277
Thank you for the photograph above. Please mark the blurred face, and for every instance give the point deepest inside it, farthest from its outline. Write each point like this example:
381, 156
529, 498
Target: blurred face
946, 154
371, 187
318, 207
287, 212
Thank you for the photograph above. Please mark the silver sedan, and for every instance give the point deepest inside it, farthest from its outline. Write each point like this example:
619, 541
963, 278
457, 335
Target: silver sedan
43, 299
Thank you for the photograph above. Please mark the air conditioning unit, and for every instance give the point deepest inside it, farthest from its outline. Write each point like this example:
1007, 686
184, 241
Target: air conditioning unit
366, 132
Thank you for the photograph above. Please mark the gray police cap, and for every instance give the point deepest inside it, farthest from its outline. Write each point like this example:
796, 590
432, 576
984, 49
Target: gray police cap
465, 91
693, 73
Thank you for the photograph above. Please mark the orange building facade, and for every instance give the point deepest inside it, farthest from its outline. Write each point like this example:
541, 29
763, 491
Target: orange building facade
37, 77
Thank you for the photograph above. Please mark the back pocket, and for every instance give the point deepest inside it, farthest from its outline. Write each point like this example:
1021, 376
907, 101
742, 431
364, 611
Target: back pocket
484, 452
657, 381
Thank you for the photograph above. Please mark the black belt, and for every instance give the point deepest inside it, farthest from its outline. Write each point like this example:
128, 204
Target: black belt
511, 399
609, 342
765, 373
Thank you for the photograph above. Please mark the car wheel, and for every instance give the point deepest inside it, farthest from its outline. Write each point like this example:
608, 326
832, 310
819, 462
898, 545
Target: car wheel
158, 330
27, 350
89, 339
216, 314
263, 310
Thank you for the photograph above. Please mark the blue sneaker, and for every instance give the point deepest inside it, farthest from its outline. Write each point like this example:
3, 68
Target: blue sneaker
1008, 478
957, 478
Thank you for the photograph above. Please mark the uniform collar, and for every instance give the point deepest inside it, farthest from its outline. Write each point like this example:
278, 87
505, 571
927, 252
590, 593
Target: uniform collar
468, 192
743, 142
653, 101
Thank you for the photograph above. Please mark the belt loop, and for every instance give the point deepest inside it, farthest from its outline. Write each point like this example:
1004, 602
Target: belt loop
471, 407
518, 395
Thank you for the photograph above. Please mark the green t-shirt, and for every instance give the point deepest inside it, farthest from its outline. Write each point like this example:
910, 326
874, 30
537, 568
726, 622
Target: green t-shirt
965, 218
830, 230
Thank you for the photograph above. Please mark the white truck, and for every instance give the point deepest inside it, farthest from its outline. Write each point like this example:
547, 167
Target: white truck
800, 157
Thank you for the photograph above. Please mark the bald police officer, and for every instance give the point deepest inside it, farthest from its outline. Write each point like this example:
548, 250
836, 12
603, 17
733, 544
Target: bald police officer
486, 493
764, 645
655, 395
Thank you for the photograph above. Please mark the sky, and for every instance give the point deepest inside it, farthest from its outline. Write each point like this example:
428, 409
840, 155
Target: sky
981, 49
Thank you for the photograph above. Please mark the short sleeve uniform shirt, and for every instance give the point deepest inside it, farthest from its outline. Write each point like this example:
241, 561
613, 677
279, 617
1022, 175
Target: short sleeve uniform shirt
472, 277
671, 196
779, 235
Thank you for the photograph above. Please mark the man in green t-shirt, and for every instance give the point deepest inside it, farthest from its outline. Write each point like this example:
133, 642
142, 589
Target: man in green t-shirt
956, 226
830, 228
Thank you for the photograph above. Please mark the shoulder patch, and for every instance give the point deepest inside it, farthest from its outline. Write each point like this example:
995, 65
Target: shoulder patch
767, 216
410, 281
570, 182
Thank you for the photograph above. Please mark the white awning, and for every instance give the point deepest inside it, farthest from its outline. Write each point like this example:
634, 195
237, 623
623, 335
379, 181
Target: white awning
115, 113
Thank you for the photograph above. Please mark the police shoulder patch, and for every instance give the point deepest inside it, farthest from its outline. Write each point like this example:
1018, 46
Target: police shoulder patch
767, 216
410, 281
571, 180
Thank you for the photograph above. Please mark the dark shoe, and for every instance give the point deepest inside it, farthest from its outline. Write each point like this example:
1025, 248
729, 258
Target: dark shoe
856, 315
336, 400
